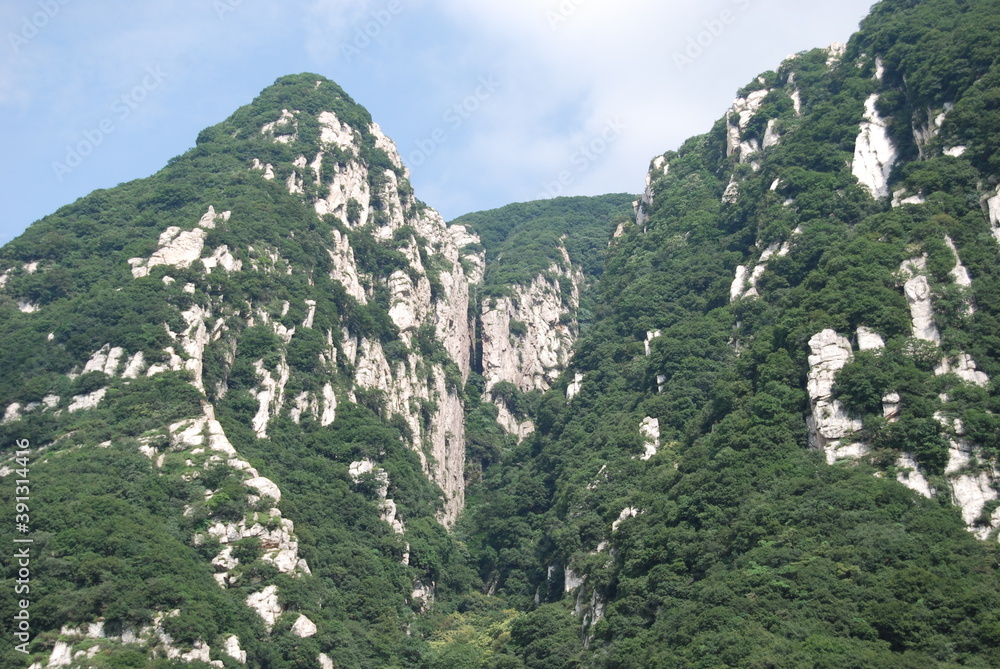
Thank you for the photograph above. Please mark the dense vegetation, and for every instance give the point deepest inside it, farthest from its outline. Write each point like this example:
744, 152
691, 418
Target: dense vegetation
735, 545
746, 549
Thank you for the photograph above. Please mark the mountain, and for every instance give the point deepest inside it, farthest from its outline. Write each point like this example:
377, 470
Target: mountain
266, 408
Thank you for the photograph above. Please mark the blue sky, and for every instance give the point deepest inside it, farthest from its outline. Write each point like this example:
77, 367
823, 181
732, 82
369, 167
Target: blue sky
490, 102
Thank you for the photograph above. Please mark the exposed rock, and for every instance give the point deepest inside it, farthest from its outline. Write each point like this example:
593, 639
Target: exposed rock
310, 315
105, 360
62, 655
233, 650
959, 273
303, 627
265, 603
738, 288
265, 487
650, 336
82, 402
835, 52
572, 580
362, 467
745, 283
283, 131
891, 407
574, 388
732, 192
178, 248
334, 132
387, 145
534, 360
918, 295
650, 431
350, 182
270, 396
630, 512
424, 594
26, 307
898, 200
12, 413
874, 154
972, 487
771, 135
963, 366
908, 473
993, 210
221, 257
743, 109
829, 424
869, 340
325, 662
388, 512
345, 268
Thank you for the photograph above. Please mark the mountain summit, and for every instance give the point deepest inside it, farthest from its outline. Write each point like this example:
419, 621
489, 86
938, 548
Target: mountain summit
266, 408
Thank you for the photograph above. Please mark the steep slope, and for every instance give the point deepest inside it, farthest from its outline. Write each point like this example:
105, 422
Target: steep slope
776, 445
540, 258
240, 386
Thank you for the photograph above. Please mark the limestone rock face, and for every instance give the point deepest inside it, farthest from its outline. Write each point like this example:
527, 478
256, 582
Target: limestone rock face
737, 119
233, 650
528, 337
830, 425
993, 212
642, 206
303, 627
908, 473
179, 248
265, 603
874, 154
918, 295
745, 283
574, 388
650, 431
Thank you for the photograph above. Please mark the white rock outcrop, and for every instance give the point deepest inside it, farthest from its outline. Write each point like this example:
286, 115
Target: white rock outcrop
283, 131
575, 386
993, 212
908, 473
89, 401
829, 425
650, 336
265, 603
918, 295
628, 512
972, 486
105, 360
233, 650
303, 627
528, 338
737, 119
178, 248
650, 431
963, 366
874, 153
745, 282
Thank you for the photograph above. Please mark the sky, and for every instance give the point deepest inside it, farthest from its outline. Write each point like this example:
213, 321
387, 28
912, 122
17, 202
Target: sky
489, 102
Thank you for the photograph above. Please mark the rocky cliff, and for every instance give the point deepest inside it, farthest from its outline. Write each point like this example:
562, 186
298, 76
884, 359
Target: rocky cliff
316, 287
